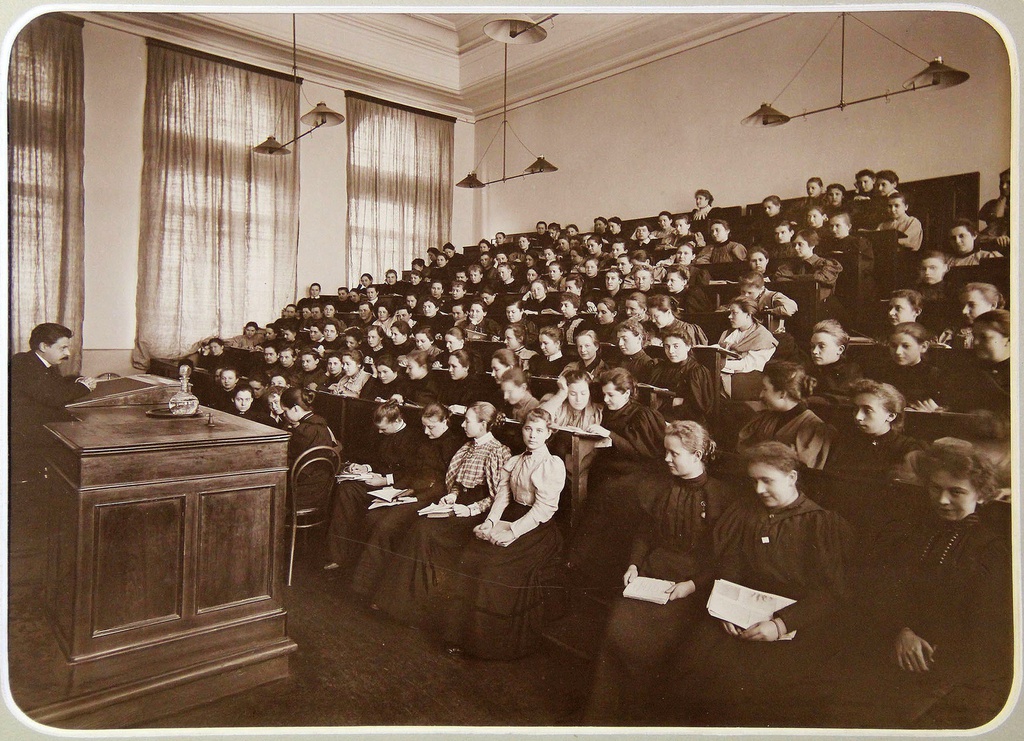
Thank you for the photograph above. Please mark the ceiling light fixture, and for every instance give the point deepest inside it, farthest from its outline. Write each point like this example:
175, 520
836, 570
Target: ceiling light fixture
319, 116
935, 75
510, 31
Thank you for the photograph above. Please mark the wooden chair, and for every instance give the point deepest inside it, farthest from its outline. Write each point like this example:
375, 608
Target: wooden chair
312, 478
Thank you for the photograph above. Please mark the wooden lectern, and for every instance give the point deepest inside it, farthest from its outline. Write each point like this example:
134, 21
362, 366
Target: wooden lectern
164, 573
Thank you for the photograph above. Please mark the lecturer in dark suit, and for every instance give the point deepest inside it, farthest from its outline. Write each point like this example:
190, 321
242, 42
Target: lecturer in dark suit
38, 390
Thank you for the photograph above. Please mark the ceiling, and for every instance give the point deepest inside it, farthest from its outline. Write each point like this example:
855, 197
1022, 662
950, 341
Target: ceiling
442, 61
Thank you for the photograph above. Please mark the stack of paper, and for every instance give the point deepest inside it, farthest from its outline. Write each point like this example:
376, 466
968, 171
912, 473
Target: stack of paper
743, 606
438, 510
346, 476
377, 503
649, 590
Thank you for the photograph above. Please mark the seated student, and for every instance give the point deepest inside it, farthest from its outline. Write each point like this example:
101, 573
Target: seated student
588, 351
556, 276
249, 339
748, 338
831, 369
401, 337
502, 360
458, 295
242, 406
571, 404
692, 385
985, 384
607, 316
550, 362
354, 379
271, 359
224, 389
976, 299
703, 213
454, 339
938, 296
515, 390
934, 641
385, 528
259, 382
683, 258
478, 325
876, 447
612, 285
334, 372
865, 208
901, 221
515, 317
632, 337
572, 322
772, 306
635, 307
816, 220
636, 432
764, 226
312, 376
515, 341
996, 215
673, 542
332, 335
424, 564
464, 385
418, 386
665, 234
720, 248
308, 430
840, 225
688, 296
539, 300
391, 462
908, 367
758, 260
213, 357
782, 247
384, 382
378, 343
662, 311
809, 266
835, 199
725, 675
905, 305
497, 610
642, 239
432, 316
964, 248
315, 337
416, 286
785, 388
423, 339
643, 277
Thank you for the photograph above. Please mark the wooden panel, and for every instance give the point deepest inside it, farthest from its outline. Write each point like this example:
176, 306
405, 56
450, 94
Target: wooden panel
137, 563
235, 543
62, 560
154, 465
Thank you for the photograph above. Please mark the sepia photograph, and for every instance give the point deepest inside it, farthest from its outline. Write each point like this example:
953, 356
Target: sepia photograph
561, 370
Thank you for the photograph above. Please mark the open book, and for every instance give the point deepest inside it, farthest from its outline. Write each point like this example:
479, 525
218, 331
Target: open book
378, 503
346, 476
649, 590
731, 354
389, 493
744, 607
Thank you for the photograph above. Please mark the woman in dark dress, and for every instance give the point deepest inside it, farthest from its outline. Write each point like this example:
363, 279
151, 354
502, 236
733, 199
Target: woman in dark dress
781, 542
308, 430
938, 649
877, 445
384, 384
634, 437
421, 570
673, 543
909, 369
692, 385
464, 385
391, 464
497, 610
386, 527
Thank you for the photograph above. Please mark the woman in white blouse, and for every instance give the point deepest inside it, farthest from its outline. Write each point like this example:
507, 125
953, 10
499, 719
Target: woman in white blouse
505, 575
748, 338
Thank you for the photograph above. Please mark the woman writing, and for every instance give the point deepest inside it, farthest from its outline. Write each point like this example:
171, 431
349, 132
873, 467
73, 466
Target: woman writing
748, 338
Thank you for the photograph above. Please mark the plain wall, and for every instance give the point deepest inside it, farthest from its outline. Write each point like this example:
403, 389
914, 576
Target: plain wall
646, 139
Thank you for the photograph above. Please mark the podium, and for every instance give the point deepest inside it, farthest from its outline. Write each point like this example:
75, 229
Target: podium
164, 562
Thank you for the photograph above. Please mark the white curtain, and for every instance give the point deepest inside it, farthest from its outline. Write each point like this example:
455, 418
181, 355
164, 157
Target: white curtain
46, 128
217, 243
399, 185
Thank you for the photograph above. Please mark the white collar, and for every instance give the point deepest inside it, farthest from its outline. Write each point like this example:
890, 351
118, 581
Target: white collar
43, 361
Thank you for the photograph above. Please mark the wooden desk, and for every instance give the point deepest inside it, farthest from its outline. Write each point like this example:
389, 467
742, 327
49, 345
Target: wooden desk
164, 569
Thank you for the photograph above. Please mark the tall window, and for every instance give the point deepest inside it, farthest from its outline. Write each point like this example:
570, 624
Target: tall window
46, 125
217, 244
399, 185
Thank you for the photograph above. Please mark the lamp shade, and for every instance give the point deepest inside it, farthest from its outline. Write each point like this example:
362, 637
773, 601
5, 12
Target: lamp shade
765, 116
540, 165
470, 181
936, 74
321, 115
271, 146
515, 31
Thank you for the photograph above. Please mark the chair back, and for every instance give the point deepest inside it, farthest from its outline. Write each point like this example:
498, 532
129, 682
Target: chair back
316, 467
